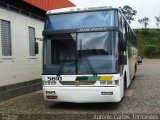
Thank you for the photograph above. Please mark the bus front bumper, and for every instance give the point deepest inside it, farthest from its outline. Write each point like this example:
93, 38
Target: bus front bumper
82, 94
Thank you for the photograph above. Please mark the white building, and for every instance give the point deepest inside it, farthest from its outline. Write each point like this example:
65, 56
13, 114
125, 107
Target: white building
20, 67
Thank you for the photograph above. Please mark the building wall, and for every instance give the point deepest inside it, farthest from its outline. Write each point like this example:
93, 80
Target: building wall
20, 67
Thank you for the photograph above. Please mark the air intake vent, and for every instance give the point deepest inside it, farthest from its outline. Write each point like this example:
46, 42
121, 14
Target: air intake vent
79, 83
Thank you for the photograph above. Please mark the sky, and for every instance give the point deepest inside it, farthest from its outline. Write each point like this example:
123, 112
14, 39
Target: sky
145, 8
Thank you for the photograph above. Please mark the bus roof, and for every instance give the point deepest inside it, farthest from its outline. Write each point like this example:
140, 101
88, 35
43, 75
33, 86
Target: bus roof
77, 9
80, 9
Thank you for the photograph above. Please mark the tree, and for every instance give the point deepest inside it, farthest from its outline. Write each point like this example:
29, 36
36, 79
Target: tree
144, 21
150, 50
157, 21
128, 13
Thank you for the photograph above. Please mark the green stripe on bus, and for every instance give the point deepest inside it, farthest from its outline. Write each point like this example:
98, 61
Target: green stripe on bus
82, 78
88, 78
93, 78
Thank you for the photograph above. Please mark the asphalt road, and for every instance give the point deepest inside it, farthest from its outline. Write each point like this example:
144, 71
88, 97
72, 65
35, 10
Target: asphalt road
141, 101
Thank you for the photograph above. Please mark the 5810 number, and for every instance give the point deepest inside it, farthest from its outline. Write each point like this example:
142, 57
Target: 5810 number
55, 78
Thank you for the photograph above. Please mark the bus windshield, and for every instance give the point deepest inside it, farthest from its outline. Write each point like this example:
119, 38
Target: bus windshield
81, 20
81, 53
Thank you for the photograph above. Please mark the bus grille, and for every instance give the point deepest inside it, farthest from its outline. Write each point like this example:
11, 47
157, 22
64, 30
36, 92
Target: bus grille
80, 82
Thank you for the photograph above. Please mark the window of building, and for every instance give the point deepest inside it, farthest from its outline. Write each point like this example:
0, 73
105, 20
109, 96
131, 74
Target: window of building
6, 37
31, 33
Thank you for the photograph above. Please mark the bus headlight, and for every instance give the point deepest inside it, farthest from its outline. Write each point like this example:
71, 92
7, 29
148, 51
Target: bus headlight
102, 82
49, 82
107, 82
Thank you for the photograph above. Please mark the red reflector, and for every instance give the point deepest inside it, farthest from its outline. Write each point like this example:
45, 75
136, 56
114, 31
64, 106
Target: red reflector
51, 97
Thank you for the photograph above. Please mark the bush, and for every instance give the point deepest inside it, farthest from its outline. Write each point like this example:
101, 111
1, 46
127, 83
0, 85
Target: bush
150, 50
155, 39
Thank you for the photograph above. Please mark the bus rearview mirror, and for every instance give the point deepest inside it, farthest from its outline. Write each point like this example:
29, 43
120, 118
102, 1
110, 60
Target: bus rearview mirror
123, 42
123, 59
123, 45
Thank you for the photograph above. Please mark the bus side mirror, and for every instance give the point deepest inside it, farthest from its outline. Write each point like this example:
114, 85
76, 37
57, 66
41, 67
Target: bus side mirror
36, 48
123, 45
123, 59
123, 42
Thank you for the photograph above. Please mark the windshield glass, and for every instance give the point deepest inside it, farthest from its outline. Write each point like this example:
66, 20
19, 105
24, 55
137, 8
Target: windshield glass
81, 20
81, 53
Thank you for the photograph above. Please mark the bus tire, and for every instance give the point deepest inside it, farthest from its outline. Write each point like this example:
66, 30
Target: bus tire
124, 85
135, 70
125, 82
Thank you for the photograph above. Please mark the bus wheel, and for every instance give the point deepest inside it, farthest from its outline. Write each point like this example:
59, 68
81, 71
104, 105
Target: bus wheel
135, 70
124, 85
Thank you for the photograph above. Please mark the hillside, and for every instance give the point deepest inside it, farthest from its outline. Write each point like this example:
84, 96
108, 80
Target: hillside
151, 37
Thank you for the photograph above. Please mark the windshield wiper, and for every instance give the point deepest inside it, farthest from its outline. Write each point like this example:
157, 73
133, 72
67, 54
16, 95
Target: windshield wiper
86, 59
61, 66
60, 69
89, 65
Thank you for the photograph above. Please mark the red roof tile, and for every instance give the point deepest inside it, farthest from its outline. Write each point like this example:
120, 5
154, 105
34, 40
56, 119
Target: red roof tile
50, 4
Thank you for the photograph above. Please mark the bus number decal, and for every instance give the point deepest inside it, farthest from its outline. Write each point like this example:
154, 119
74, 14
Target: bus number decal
55, 78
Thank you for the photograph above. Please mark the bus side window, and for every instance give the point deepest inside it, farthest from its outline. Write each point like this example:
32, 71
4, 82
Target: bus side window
125, 27
129, 36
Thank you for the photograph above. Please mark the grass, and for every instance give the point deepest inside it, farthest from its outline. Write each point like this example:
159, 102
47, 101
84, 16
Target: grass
149, 37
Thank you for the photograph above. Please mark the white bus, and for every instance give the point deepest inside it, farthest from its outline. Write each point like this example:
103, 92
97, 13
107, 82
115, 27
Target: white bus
89, 55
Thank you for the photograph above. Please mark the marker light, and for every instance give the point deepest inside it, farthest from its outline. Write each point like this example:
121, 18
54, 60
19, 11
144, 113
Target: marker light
116, 82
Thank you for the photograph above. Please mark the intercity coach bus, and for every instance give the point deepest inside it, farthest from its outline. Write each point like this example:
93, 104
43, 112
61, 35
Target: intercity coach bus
89, 55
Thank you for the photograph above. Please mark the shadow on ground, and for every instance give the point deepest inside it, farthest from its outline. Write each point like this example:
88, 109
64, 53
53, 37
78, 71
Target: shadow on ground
85, 106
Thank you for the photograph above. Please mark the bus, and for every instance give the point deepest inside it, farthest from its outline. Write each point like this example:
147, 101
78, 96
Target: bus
89, 55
